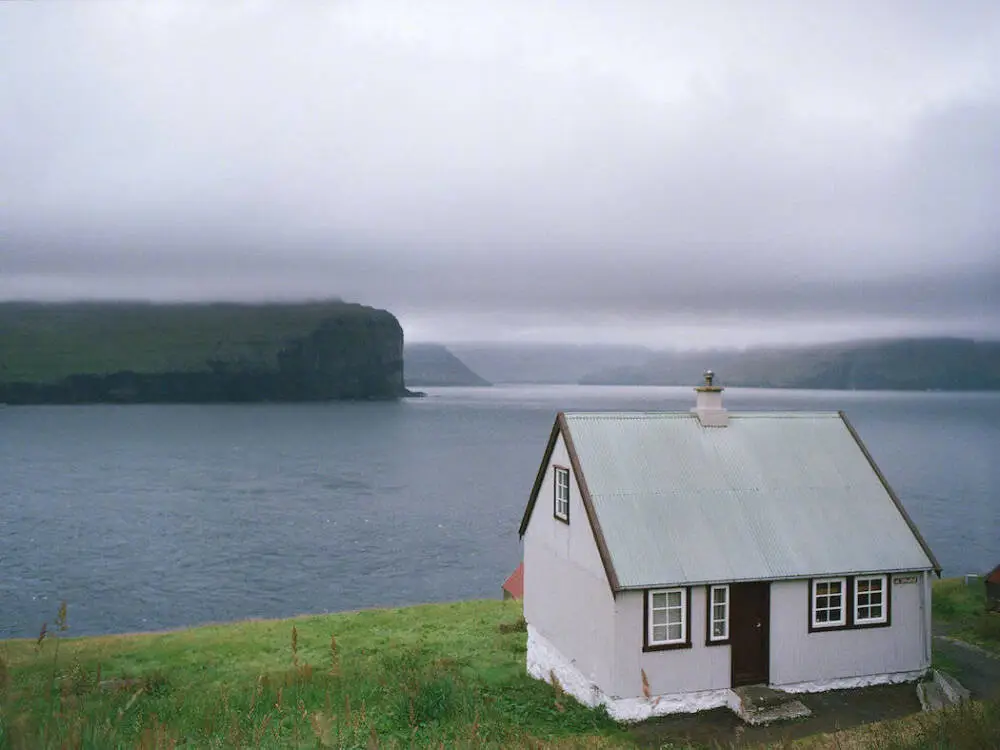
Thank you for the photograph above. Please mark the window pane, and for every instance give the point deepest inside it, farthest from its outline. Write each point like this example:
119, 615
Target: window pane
835, 601
676, 632
876, 613
718, 629
821, 615
674, 598
659, 600
822, 589
659, 617
720, 595
719, 612
660, 633
862, 585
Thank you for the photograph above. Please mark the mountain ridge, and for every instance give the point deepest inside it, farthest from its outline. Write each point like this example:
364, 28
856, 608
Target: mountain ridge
939, 363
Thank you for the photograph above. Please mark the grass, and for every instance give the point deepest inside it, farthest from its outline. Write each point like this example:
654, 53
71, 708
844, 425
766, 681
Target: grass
442, 675
436, 675
969, 726
961, 610
44, 343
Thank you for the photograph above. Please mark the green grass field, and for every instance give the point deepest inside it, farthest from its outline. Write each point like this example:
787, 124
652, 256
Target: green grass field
961, 611
420, 676
42, 343
438, 675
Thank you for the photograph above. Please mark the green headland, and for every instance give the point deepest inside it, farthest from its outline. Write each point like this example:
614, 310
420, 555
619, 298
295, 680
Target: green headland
134, 352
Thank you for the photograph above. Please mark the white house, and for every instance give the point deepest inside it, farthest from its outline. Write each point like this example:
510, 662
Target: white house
672, 556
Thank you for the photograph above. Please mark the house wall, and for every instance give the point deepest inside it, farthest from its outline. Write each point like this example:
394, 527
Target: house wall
798, 656
684, 670
567, 597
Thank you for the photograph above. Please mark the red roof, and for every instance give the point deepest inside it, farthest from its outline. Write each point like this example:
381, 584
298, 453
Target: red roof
993, 577
514, 585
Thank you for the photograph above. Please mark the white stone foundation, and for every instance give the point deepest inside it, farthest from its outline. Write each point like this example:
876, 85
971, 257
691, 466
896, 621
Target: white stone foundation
545, 660
847, 683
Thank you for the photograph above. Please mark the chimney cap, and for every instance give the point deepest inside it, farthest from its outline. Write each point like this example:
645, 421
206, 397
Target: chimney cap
709, 385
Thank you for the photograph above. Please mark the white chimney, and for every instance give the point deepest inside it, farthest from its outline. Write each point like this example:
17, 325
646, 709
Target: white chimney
708, 404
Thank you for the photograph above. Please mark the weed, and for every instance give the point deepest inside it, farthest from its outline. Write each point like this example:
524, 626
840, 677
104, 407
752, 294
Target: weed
431, 676
520, 625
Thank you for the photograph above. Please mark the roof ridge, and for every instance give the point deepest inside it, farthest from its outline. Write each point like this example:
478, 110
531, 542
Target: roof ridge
752, 414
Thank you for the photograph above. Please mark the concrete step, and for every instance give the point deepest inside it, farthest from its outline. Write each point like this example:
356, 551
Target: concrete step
759, 705
951, 687
941, 691
931, 696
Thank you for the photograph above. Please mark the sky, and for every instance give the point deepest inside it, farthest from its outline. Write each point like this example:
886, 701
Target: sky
644, 171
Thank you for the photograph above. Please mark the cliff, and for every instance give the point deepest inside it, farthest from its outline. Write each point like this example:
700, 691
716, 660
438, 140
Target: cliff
435, 365
198, 353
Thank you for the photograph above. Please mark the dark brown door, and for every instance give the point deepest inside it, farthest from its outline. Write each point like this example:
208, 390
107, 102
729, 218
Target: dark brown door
750, 628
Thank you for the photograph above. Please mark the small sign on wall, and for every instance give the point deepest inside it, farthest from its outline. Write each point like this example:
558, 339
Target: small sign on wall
900, 580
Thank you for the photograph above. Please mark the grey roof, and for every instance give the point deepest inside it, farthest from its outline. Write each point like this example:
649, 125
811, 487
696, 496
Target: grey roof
773, 495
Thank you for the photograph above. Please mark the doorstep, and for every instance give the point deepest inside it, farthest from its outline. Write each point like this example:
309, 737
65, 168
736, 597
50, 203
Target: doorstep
759, 704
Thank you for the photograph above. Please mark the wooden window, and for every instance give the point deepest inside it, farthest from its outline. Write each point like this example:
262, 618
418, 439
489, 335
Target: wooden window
863, 601
870, 606
718, 614
829, 605
561, 502
667, 618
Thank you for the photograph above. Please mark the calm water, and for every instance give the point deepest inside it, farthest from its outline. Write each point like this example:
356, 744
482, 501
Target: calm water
150, 517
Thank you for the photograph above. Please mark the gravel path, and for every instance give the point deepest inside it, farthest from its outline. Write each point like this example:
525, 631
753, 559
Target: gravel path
976, 669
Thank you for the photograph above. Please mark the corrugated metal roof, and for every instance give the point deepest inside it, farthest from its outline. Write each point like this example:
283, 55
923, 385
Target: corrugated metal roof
773, 495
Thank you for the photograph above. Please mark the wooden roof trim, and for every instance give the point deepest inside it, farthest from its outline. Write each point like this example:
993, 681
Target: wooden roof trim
540, 477
588, 505
561, 427
892, 494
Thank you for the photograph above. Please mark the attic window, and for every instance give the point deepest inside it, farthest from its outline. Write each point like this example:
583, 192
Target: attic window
560, 508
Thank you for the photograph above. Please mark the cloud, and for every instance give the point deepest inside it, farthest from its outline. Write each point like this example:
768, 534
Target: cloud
525, 165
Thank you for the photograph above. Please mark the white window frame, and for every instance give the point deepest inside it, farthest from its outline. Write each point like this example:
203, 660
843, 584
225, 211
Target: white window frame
712, 619
883, 602
668, 641
560, 505
842, 622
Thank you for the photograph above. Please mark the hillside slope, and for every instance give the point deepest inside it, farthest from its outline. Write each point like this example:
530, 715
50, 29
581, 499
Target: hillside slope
902, 364
435, 365
550, 363
129, 352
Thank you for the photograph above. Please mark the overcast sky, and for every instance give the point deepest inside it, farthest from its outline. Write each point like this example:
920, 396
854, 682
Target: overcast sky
671, 173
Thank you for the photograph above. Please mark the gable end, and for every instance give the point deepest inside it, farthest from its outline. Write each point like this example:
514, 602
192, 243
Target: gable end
895, 499
561, 427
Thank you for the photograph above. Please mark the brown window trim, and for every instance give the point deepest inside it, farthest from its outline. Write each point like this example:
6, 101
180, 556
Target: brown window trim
555, 491
849, 623
645, 621
708, 615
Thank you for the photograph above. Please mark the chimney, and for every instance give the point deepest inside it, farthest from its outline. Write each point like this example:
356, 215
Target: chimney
708, 403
